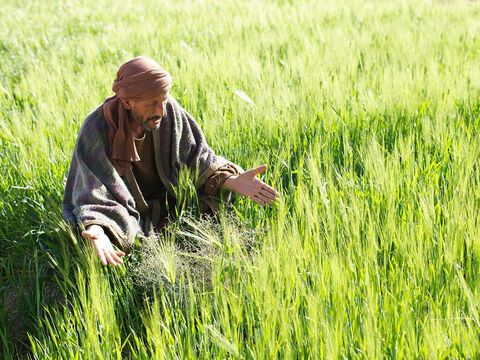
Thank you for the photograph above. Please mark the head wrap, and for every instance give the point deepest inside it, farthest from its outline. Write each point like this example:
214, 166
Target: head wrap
138, 79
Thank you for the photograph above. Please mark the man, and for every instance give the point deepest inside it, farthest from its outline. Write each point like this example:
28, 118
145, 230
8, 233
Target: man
128, 157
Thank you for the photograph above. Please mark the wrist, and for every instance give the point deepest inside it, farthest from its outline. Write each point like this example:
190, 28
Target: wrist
229, 183
95, 228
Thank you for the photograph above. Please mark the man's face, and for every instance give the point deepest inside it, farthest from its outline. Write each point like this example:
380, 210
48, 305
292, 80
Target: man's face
148, 113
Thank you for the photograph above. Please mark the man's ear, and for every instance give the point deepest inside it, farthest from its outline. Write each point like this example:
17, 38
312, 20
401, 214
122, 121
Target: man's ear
127, 104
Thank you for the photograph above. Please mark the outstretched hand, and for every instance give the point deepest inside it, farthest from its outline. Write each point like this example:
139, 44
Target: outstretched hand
249, 185
102, 245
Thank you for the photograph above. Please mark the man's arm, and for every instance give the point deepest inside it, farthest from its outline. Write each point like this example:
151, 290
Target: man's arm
190, 148
96, 197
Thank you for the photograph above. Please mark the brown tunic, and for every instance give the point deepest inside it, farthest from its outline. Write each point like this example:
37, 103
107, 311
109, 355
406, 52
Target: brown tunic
145, 170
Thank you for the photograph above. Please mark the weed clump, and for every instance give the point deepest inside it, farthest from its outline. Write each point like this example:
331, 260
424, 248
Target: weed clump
190, 249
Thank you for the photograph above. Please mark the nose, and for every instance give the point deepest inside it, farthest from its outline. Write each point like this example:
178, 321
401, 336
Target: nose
161, 109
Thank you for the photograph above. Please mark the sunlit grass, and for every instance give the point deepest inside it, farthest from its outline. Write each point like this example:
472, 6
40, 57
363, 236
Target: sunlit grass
367, 114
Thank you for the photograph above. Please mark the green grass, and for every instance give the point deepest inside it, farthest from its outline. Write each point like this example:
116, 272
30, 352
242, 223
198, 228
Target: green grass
367, 114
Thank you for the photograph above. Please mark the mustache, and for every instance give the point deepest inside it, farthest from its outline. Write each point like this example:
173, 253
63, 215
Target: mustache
154, 118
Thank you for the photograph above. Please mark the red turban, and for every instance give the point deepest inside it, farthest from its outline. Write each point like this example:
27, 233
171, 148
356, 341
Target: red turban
138, 79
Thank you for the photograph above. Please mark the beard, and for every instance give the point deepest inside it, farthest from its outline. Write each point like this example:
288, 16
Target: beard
145, 124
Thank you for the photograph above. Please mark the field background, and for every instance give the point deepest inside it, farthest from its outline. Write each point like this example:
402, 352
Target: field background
367, 113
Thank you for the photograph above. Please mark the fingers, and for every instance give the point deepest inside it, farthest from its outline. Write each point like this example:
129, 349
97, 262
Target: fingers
269, 195
101, 256
257, 200
265, 195
113, 257
265, 199
107, 254
116, 258
266, 190
109, 257
258, 170
270, 190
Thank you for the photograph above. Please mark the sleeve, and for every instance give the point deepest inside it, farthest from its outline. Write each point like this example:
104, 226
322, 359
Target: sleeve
213, 184
94, 192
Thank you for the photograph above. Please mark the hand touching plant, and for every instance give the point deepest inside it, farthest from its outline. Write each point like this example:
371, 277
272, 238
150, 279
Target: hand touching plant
249, 185
102, 245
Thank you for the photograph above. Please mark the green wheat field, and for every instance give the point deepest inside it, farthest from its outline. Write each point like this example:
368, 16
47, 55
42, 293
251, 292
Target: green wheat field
368, 115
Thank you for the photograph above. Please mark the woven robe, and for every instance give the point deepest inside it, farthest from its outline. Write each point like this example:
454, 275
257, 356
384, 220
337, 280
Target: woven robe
96, 194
